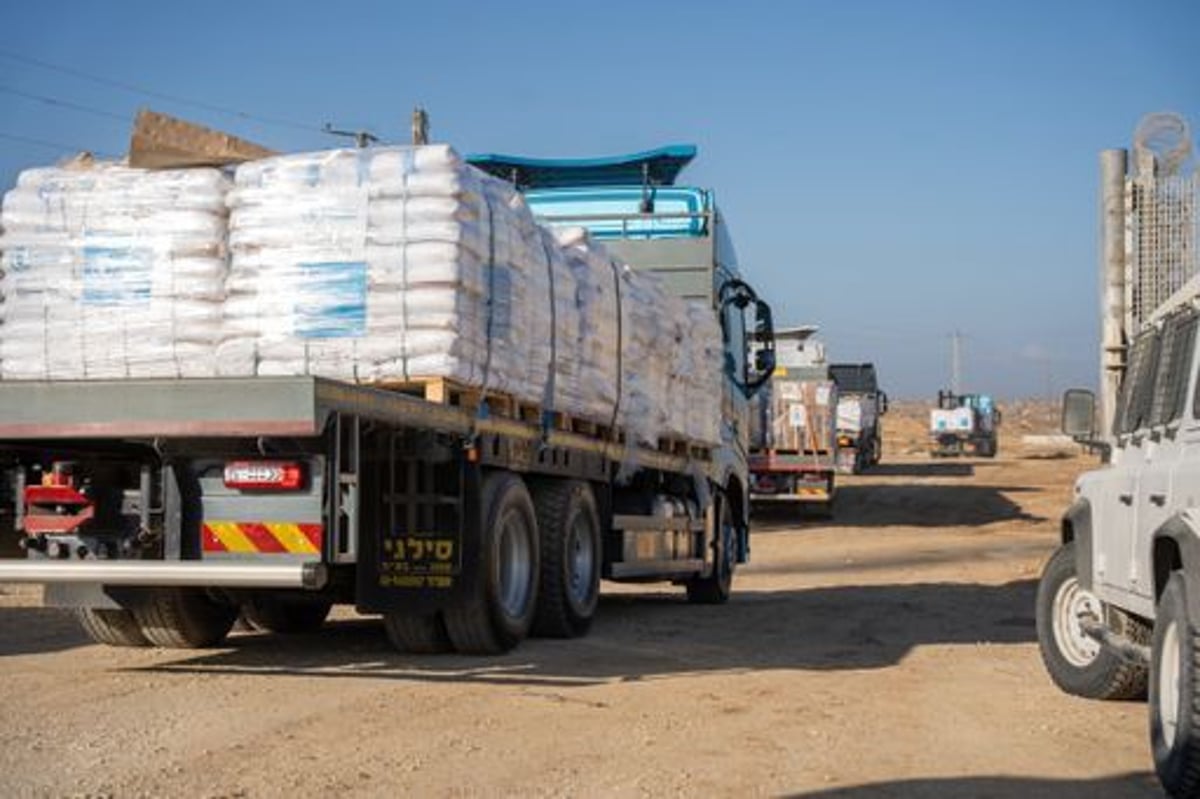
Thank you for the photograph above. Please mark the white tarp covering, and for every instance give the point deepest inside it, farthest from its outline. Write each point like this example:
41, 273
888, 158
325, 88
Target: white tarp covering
381, 265
112, 272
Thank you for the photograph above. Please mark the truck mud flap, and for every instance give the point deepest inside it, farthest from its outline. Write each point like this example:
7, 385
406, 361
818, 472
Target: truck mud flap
419, 526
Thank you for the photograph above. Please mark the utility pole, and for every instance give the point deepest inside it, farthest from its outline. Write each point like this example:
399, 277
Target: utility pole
1114, 313
956, 361
420, 126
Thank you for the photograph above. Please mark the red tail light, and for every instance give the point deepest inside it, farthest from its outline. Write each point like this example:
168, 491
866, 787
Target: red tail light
264, 475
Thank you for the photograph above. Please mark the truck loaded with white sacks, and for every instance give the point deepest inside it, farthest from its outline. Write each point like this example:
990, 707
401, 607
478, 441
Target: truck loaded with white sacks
372, 377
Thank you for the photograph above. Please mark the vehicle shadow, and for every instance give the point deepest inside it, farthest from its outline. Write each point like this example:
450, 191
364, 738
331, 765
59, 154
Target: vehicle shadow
37, 630
917, 469
903, 505
647, 636
1119, 786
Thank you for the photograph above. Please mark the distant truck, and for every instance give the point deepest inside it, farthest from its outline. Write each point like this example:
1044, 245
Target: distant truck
793, 432
962, 423
859, 408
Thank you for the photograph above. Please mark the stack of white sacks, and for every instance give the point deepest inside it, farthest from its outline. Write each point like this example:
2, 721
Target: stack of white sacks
111, 272
382, 265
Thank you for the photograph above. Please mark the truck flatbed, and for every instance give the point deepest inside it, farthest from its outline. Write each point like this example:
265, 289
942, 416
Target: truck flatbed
262, 406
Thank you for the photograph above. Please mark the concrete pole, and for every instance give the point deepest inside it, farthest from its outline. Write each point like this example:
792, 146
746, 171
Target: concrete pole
1113, 336
956, 362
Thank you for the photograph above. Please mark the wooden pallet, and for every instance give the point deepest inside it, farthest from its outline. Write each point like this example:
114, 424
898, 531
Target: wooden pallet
446, 391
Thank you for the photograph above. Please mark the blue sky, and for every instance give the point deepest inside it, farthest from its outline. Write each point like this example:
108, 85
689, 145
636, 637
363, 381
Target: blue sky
893, 171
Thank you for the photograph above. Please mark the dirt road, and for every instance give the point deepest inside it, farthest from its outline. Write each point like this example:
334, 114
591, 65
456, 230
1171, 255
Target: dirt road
888, 653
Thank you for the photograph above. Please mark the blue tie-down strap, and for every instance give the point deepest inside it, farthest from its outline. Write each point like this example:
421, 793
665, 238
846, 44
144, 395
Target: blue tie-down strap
331, 301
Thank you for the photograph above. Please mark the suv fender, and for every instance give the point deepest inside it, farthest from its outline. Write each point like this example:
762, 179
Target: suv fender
1077, 527
1176, 546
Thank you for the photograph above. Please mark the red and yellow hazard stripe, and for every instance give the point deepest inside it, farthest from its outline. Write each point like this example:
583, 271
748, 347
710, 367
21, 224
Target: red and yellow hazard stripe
288, 538
813, 493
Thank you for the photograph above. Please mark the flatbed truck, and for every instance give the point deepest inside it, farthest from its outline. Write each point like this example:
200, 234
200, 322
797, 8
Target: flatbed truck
161, 509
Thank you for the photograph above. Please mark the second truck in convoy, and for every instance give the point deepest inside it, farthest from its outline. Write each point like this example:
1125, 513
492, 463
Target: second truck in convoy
793, 433
160, 509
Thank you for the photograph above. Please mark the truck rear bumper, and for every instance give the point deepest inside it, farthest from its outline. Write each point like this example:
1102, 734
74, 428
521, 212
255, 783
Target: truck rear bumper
309, 574
815, 497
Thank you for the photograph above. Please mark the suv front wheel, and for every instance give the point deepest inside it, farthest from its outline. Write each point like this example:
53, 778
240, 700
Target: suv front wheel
1078, 663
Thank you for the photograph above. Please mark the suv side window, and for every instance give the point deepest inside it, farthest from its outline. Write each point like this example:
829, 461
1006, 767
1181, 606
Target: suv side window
1137, 389
1175, 356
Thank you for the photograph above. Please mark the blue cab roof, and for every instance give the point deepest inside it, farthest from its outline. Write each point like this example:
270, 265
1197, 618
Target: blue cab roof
660, 166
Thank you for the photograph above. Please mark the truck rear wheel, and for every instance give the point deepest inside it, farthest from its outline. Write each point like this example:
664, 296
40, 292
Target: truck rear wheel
417, 633
1174, 717
501, 612
111, 626
286, 615
1077, 663
569, 530
717, 586
183, 618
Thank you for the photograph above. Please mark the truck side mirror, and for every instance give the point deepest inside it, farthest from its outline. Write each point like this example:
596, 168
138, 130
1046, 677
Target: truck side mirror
883, 402
1079, 414
764, 355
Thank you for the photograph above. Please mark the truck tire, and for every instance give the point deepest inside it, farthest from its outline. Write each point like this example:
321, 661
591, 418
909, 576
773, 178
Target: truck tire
183, 618
1078, 664
285, 615
111, 626
1174, 715
417, 633
501, 611
570, 547
716, 588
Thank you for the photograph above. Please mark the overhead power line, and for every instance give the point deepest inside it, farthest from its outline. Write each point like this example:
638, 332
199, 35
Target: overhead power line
54, 101
173, 98
51, 145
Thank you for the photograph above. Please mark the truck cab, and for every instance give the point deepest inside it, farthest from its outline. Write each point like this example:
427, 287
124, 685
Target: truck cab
634, 205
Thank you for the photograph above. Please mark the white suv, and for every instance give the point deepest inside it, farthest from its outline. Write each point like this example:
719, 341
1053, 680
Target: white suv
1118, 606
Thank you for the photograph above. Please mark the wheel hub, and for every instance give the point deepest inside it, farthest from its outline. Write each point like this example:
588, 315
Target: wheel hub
1072, 605
580, 562
514, 565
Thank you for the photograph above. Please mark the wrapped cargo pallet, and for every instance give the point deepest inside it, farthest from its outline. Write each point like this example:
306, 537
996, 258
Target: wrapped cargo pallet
696, 384
645, 341
797, 414
112, 272
390, 265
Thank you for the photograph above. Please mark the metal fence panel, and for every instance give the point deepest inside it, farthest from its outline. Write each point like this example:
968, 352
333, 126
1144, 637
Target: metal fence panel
1161, 235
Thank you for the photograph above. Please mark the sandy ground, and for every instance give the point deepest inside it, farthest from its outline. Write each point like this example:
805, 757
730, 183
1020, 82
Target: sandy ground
888, 653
